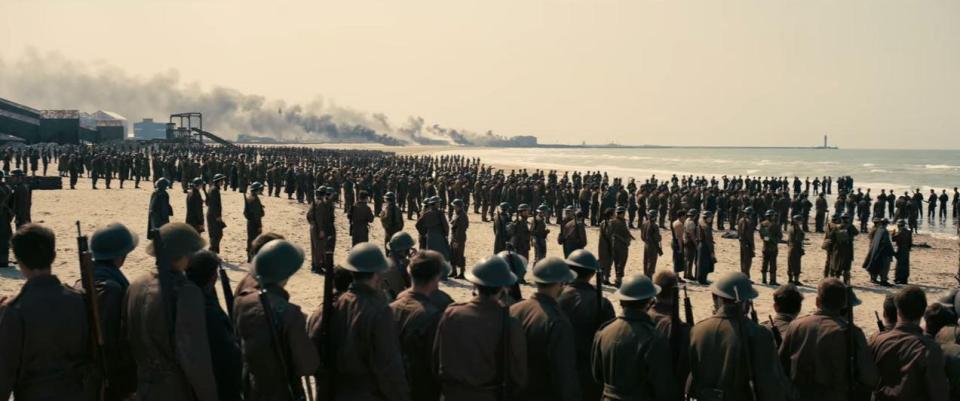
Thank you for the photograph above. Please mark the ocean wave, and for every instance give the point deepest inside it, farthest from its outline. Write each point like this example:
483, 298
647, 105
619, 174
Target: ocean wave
879, 170
940, 167
868, 164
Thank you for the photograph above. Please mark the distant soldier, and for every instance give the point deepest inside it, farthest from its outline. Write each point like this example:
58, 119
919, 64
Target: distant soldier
317, 240
821, 212
417, 317
903, 238
573, 234
771, 235
6, 218
501, 220
652, 247
44, 334
880, 254
360, 217
195, 206
824, 338
620, 237
363, 334
539, 232
159, 211
76, 169
23, 198
458, 239
480, 350
666, 317
690, 236
587, 311
795, 252
434, 228
253, 212
731, 357
391, 217
630, 357
787, 302
519, 231
706, 250
264, 377
745, 234
180, 366
215, 224
396, 278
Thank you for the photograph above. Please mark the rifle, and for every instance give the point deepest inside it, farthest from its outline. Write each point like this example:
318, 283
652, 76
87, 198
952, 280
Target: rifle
329, 357
93, 308
745, 343
777, 336
687, 307
294, 384
227, 292
879, 321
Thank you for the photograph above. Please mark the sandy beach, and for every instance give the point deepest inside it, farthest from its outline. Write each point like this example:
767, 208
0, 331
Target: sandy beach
932, 268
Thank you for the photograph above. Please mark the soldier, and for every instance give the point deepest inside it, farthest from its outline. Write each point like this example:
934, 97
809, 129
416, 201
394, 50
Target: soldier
731, 357
417, 316
44, 332
6, 218
253, 212
823, 339
458, 239
175, 362
587, 310
539, 231
391, 217
159, 211
620, 238
224, 348
879, 254
327, 236
652, 248
903, 238
910, 365
434, 228
519, 231
215, 223
501, 220
771, 235
573, 235
706, 252
745, 234
677, 245
360, 217
396, 278
480, 350
690, 237
666, 317
195, 206
549, 335
795, 252
264, 377
368, 362
787, 302
821, 207
630, 356
22, 198
76, 167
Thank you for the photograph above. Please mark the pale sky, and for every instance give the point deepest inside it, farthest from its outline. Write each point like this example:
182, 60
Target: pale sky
870, 73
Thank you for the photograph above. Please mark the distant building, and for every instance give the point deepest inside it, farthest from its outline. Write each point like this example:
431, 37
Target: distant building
110, 126
19, 120
149, 129
67, 126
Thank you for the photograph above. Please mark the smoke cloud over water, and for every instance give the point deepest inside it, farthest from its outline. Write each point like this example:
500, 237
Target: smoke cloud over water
54, 82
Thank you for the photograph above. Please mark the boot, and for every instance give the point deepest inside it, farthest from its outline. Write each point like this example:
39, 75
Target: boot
764, 274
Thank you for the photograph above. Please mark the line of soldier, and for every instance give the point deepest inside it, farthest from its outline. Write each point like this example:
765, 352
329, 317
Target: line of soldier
16, 202
165, 335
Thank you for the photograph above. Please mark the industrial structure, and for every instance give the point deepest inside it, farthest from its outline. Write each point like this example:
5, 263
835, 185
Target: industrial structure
189, 129
59, 126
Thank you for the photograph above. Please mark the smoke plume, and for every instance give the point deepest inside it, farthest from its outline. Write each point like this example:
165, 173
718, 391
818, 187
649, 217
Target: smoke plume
54, 82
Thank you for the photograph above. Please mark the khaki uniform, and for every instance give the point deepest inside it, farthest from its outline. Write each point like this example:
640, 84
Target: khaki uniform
677, 333
469, 351
771, 235
44, 343
573, 236
215, 224
620, 237
719, 367
263, 373
579, 302
632, 360
551, 358
391, 218
253, 212
816, 355
417, 317
911, 365
368, 358
650, 235
745, 231
166, 370
458, 239
360, 218
795, 252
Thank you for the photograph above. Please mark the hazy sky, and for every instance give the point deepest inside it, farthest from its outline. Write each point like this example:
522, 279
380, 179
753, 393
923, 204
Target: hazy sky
871, 73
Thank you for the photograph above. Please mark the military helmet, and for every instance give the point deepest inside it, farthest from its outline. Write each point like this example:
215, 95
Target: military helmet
389, 196
956, 304
400, 242
797, 217
162, 183
901, 223
852, 299
708, 214
492, 271
178, 240
569, 209
845, 215
276, 261
219, 177
583, 259
112, 241
366, 257
517, 263
620, 209
332, 191
748, 209
197, 181
431, 201
320, 190
652, 213
733, 285
692, 212
552, 270
637, 288
523, 207
256, 187
17, 173
543, 208
770, 213
504, 206
457, 202
949, 298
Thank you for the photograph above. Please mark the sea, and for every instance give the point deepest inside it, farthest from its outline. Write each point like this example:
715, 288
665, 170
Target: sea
874, 169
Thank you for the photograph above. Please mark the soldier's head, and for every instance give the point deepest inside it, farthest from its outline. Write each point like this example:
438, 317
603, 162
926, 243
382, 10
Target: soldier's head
178, 241
366, 260
426, 269
202, 269
938, 316
911, 302
638, 292
262, 240
667, 281
400, 245
551, 274
362, 196
733, 288
35, 248
787, 299
276, 261
112, 243
490, 276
